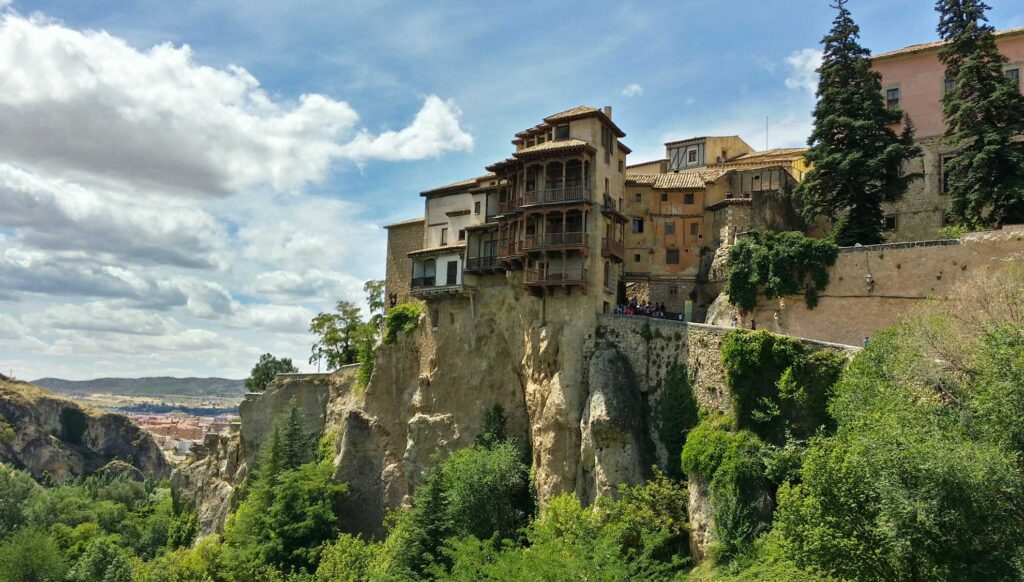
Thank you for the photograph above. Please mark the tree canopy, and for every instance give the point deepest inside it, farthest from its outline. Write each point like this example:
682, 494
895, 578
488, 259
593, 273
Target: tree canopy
266, 369
856, 157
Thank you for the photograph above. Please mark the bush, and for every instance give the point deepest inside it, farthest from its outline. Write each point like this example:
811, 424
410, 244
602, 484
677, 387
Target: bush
675, 414
404, 317
347, 559
30, 555
778, 263
17, 490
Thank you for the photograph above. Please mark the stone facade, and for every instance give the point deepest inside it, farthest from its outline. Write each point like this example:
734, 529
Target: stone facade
903, 275
403, 238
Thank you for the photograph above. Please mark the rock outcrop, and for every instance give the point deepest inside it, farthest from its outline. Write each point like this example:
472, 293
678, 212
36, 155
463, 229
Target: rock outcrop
49, 435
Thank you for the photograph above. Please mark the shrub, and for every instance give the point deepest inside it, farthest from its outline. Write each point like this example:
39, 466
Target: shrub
30, 555
778, 263
675, 413
404, 317
347, 559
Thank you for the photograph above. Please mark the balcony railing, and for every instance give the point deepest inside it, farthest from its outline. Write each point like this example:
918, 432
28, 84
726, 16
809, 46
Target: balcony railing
509, 206
510, 249
612, 248
555, 240
556, 276
481, 263
418, 282
568, 194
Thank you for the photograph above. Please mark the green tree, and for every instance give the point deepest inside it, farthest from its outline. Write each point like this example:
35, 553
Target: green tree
338, 334
778, 264
856, 157
265, 370
30, 555
347, 559
984, 115
375, 300
17, 490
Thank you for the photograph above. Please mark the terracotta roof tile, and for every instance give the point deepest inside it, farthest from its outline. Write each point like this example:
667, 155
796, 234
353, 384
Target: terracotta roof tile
552, 146
688, 180
455, 186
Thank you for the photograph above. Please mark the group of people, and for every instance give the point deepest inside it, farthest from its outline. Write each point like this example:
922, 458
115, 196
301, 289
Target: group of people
633, 307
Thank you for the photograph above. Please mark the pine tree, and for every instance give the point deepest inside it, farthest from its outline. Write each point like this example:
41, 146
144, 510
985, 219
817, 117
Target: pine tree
984, 112
296, 448
856, 156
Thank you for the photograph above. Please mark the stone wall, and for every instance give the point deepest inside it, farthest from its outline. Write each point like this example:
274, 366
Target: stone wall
903, 275
403, 238
919, 212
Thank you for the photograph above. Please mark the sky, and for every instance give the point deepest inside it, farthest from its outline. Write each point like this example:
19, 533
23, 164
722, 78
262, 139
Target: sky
184, 185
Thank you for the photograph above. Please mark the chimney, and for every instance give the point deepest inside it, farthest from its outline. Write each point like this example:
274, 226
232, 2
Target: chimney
608, 111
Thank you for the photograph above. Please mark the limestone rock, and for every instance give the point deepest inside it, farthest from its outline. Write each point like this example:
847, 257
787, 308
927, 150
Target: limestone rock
46, 434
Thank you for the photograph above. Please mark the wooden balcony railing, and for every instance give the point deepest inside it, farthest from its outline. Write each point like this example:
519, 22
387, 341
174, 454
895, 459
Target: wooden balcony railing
510, 249
418, 282
612, 248
568, 194
555, 240
509, 206
556, 276
481, 263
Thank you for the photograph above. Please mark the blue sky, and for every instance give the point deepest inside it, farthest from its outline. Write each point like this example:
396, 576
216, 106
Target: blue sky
268, 205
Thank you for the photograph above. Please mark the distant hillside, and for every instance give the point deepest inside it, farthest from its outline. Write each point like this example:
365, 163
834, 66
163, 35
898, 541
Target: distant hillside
156, 386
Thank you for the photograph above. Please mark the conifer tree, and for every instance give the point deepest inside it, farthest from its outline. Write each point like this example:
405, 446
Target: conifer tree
856, 156
296, 449
983, 111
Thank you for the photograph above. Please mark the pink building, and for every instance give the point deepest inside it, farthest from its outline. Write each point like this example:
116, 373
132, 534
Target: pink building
913, 78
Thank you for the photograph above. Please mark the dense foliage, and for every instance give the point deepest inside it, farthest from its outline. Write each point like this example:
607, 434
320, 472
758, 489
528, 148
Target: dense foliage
856, 158
402, 317
96, 529
675, 414
777, 264
263, 371
344, 338
984, 114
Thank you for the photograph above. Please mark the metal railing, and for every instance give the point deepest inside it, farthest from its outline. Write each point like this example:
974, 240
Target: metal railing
556, 275
481, 263
555, 239
418, 282
567, 194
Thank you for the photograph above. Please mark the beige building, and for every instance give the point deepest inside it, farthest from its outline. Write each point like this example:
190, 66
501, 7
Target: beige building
678, 218
403, 238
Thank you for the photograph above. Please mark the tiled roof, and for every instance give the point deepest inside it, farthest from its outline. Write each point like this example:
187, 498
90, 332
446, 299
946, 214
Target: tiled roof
729, 202
925, 46
688, 180
553, 146
773, 155
581, 112
646, 163
404, 222
455, 186
689, 139
438, 250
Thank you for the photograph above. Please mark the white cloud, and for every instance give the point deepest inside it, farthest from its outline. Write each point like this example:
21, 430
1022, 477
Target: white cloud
311, 284
435, 131
803, 69
633, 90
88, 103
103, 317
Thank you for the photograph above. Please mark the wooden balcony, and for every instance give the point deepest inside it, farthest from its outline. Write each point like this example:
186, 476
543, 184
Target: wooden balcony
509, 206
556, 241
510, 250
556, 195
556, 276
482, 264
613, 249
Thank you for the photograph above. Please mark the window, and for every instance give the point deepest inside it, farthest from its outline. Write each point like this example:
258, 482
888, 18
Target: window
672, 257
944, 174
606, 138
670, 228
691, 156
890, 222
607, 274
688, 199
892, 98
476, 207
444, 236
638, 198
948, 85
636, 258
1013, 75
462, 234
622, 166
453, 273
561, 132
694, 228
638, 225
664, 196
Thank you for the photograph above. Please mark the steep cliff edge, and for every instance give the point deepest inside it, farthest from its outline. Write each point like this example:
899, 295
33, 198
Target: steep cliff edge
46, 434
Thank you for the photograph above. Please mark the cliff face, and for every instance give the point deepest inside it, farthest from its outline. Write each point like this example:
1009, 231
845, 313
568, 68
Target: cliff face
46, 434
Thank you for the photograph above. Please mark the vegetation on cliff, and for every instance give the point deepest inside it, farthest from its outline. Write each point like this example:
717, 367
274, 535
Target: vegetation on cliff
776, 264
264, 371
